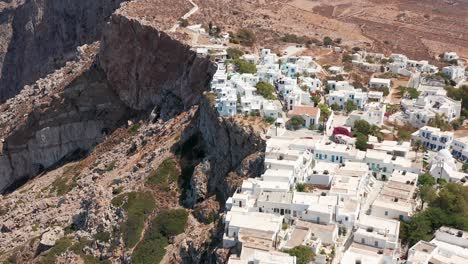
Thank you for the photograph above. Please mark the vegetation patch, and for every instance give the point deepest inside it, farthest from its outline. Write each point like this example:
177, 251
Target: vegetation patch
448, 207
133, 130
166, 174
137, 205
266, 90
243, 66
166, 224
111, 166
60, 247
103, 236
304, 254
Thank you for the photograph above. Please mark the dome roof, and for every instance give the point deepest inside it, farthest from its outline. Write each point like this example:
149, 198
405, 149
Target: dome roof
444, 154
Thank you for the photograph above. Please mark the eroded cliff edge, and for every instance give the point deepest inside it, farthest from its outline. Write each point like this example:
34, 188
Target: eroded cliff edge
39, 36
136, 73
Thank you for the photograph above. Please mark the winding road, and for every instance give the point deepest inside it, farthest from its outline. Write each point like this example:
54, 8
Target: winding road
186, 16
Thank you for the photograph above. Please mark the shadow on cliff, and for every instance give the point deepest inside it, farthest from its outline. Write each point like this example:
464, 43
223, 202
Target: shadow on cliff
44, 35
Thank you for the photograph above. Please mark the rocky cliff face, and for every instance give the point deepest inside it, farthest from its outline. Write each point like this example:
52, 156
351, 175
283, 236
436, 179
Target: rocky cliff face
141, 73
39, 36
148, 68
58, 124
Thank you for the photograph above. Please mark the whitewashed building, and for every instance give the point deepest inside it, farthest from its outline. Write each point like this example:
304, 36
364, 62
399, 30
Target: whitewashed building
433, 138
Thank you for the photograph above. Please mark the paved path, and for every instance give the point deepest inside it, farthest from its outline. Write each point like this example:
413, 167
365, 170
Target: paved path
186, 16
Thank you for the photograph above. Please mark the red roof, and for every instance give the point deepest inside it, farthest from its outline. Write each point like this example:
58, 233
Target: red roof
305, 110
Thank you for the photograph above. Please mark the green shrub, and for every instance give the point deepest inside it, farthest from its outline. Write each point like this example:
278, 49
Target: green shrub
111, 166
304, 254
138, 206
266, 90
103, 236
234, 53
166, 224
166, 174
133, 130
244, 66
60, 247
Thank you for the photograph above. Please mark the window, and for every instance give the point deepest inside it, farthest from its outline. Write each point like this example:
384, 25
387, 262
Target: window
363, 241
376, 243
386, 212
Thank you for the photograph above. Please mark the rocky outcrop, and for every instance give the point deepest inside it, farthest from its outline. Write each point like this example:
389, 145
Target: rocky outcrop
39, 36
148, 68
59, 124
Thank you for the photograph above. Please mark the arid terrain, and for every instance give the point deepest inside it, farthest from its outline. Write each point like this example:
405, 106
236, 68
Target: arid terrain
421, 29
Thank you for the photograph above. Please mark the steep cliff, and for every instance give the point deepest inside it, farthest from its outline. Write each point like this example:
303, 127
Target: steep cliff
59, 123
132, 102
39, 36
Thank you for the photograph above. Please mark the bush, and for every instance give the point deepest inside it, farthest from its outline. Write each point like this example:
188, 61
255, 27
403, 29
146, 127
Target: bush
166, 224
183, 22
133, 130
60, 247
234, 53
292, 38
244, 66
266, 90
166, 174
138, 206
327, 41
426, 179
296, 122
245, 37
304, 254
361, 142
270, 120
350, 106
300, 187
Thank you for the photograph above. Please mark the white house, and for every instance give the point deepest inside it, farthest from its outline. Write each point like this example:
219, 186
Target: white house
443, 167
395, 200
310, 114
432, 138
373, 113
460, 149
455, 73
450, 245
340, 98
380, 83
450, 56
377, 232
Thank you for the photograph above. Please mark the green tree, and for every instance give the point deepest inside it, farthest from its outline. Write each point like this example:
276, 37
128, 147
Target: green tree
426, 180
234, 53
324, 112
413, 93
428, 194
361, 142
465, 167
296, 122
300, 187
266, 90
316, 99
335, 107
362, 126
304, 254
403, 135
244, 66
327, 41
350, 106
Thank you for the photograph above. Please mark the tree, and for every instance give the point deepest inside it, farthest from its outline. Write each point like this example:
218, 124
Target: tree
183, 22
327, 41
316, 99
362, 127
439, 121
245, 67
234, 53
350, 106
428, 194
266, 90
300, 187
335, 107
426, 180
465, 167
413, 93
324, 112
245, 37
296, 122
361, 142
304, 254
403, 135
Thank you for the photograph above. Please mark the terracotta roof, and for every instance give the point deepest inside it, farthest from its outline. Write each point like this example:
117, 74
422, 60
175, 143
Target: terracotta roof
304, 110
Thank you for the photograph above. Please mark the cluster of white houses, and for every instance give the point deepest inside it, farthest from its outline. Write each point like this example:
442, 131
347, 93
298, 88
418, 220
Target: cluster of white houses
343, 203
341, 209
